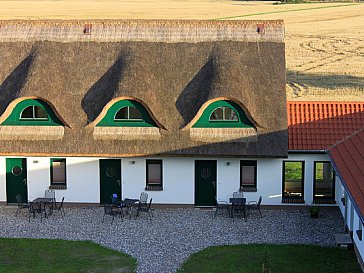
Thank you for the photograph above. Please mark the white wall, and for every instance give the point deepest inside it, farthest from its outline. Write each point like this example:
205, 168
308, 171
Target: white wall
83, 177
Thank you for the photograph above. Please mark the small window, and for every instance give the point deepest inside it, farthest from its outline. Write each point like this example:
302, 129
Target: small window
224, 113
359, 232
34, 112
248, 175
293, 180
324, 181
154, 175
128, 113
58, 171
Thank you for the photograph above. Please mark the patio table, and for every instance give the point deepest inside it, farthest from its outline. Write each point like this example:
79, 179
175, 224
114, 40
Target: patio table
238, 202
44, 201
128, 203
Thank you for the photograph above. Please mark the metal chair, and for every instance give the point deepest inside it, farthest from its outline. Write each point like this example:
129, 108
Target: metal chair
221, 206
143, 197
35, 207
112, 211
238, 194
21, 204
50, 194
144, 207
254, 205
59, 207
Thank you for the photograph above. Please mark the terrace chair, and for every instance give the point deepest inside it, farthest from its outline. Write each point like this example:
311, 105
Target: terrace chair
144, 207
50, 194
238, 194
254, 205
36, 208
143, 197
59, 207
21, 204
111, 211
221, 206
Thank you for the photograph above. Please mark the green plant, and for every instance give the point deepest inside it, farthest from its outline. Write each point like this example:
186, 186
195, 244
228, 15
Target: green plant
314, 211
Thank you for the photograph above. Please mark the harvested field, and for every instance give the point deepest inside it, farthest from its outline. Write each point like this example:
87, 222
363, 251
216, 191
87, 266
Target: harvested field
324, 41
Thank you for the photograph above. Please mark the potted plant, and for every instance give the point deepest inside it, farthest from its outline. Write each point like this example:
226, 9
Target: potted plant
314, 211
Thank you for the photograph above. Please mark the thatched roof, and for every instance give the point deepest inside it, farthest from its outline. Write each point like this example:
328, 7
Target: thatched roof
174, 80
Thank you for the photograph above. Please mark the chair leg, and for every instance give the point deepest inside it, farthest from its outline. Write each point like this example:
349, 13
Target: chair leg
150, 217
103, 218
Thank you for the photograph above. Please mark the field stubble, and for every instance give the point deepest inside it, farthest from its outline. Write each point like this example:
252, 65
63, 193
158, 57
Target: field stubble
324, 41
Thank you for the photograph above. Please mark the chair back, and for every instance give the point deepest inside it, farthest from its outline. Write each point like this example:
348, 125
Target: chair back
259, 201
239, 194
18, 199
114, 198
150, 203
143, 197
50, 194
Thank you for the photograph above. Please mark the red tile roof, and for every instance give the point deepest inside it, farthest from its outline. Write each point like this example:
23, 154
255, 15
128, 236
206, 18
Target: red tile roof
317, 125
348, 159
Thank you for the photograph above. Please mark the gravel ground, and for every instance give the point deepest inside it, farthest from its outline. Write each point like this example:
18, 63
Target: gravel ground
163, 244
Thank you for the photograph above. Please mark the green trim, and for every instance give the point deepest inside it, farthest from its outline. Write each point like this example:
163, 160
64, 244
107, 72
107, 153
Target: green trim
51, 169
204, 120
15, 120
109, 118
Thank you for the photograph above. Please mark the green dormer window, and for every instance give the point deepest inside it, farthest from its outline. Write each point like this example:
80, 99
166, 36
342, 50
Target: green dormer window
32, 112
223, 114
127, 113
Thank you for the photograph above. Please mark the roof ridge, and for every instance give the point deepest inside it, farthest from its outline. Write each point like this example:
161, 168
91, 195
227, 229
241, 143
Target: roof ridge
346, 138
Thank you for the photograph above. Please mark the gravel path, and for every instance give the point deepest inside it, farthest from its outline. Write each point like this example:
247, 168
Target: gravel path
163, 244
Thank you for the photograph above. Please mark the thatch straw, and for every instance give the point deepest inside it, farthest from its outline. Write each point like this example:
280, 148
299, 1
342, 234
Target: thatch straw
126, 133
31, 133
171, 31
224, 134
174, 80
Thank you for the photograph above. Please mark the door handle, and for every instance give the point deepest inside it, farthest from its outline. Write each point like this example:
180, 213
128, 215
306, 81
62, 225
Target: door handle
213, 183
118, 182
24, 181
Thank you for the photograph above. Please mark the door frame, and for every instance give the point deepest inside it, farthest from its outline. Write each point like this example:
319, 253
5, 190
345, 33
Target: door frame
214, 161
101, 176
24, 191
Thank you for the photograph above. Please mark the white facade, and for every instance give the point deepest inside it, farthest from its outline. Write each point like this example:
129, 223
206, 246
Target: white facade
83, 179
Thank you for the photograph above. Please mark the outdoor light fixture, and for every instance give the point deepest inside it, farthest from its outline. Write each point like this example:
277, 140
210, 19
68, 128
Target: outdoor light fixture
227, 163
132, 162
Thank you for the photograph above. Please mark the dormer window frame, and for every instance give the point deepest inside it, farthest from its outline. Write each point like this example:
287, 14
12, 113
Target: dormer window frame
110, 118
223, 115
128, 115
205, 121
34, 113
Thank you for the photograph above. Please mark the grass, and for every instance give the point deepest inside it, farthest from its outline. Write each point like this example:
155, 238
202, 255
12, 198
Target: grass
42, 255
281, 258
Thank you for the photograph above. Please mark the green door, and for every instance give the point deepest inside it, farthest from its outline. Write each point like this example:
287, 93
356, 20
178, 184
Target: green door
16, 179
110, 179
205, 182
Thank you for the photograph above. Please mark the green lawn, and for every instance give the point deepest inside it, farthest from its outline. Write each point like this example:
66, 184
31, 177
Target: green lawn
282, 258
41, 255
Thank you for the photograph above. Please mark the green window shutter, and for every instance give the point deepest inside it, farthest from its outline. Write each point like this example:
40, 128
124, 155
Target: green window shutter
127, 113
32, 112
223, 114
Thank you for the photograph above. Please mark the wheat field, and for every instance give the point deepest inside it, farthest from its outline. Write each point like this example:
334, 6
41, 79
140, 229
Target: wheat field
324, 41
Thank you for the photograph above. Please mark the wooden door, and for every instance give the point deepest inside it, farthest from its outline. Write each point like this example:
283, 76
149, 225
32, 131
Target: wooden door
205, 182
16, 179
110, 179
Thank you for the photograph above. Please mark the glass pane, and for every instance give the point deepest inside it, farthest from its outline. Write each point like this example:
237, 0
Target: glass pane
59, 172
217, 114
16, 170
122, 114
293, 179
134, 113
205, 173
230, 114
324, 179
40, 113
154, 174
247, 175
110, 172
27, 112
